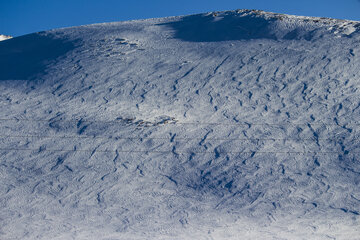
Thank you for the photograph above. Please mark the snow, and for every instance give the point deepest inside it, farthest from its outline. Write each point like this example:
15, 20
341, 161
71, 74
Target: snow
228, 125
4, 37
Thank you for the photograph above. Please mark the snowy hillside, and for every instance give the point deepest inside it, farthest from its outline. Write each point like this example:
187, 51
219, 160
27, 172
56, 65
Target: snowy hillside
228, 125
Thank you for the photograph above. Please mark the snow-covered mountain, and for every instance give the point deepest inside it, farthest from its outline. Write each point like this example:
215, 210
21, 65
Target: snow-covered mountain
229, 125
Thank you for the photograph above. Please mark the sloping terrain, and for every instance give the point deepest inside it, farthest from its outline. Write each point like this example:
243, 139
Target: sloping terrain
229, 125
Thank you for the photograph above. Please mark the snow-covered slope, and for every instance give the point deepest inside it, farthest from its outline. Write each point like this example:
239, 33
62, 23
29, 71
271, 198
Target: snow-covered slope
229, 125
4, 37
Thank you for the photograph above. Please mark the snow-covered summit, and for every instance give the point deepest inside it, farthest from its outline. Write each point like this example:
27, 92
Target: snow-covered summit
224, 125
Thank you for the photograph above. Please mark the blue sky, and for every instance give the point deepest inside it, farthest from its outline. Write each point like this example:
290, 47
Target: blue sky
19, 17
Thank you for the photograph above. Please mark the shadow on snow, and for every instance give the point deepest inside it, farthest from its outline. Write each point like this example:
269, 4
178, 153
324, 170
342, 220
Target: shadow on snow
23, 58
210, 28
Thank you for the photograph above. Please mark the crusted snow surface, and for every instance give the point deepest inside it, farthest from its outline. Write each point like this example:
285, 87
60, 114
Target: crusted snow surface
227, 125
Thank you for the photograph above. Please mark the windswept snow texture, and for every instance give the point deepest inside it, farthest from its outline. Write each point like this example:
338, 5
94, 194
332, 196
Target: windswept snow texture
229, 125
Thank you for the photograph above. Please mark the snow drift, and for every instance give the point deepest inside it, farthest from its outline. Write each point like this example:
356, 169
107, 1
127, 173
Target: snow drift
229, 125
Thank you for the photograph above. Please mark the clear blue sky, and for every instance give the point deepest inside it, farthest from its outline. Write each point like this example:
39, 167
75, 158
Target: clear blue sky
19, 17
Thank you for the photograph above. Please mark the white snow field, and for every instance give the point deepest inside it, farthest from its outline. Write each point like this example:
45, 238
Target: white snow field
230, 125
